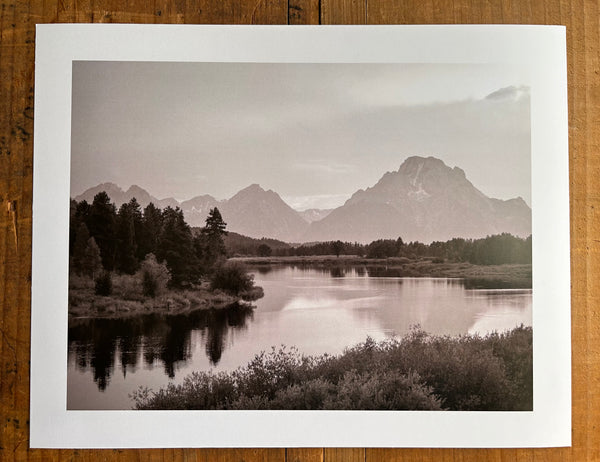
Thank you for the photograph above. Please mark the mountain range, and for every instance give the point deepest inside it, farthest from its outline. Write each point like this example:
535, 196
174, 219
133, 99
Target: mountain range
423, 200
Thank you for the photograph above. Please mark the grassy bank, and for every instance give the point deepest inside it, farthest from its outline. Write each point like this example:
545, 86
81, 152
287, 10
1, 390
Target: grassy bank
419, 372
477, 276
127, 299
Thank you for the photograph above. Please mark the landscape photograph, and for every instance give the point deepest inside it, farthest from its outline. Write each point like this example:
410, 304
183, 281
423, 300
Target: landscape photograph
300, 236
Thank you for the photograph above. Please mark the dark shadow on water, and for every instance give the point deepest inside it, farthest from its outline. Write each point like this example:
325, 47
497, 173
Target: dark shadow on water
337, 272
490, 283
387, 272
97, 343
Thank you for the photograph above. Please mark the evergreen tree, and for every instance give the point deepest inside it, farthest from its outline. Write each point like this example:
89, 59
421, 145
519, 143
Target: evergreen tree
78, 214
82, 237
337, 247
176, 247
209, 245
101, 224
126, 260
92, 263
136, 215
150, 231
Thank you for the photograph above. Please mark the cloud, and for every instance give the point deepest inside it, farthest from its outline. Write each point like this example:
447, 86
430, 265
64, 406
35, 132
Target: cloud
511, 93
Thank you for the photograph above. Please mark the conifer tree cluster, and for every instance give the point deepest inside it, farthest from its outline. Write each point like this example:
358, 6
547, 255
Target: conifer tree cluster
106, 239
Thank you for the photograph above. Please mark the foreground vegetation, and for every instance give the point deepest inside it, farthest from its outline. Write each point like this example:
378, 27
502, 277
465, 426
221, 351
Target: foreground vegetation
419, 372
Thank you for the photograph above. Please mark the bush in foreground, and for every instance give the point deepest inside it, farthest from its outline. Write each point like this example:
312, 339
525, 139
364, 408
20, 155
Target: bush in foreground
419, 372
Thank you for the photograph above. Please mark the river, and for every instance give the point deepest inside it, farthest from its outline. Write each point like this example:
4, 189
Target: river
315, 310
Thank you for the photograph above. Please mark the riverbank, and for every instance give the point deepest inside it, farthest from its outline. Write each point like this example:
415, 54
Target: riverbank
418, 372
127, 299
516, 276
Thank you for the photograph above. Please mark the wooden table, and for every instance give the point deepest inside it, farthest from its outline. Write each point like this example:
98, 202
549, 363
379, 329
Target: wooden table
17, 40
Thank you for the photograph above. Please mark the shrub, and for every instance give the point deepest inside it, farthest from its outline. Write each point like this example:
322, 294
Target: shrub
127, 287
314, 394
103, 284
155, 276
232, 278
384, 390
420, 372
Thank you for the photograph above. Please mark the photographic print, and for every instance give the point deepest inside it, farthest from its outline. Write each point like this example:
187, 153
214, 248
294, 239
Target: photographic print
300, 236
255, 224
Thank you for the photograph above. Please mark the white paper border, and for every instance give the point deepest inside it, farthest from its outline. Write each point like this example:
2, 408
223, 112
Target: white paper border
541, 50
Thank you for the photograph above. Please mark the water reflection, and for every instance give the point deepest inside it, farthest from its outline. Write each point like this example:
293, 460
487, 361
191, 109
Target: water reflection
318, 310
97, 344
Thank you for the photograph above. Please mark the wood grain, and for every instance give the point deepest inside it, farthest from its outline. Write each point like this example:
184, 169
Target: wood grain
17, 33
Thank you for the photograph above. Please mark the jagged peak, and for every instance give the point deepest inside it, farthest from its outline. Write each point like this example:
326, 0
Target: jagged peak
415, 162
460, 172
106, 186
253, 187
136, 188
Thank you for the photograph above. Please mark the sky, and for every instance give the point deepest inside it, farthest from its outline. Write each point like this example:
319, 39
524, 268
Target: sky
314, 133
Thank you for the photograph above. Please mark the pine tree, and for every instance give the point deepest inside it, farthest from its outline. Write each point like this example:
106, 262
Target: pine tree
92, 263
210, 246
176, 247
136, 215
126, 260
82, 237
150, 231
101, 224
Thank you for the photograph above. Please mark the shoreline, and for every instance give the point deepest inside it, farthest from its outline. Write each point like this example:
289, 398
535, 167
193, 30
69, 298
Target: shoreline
172, 303
508, 276
84, 304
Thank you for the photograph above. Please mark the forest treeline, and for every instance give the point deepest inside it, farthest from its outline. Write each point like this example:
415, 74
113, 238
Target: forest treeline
104, 239
492, 250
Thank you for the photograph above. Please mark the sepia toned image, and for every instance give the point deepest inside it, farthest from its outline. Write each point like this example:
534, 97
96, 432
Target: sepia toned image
275, 236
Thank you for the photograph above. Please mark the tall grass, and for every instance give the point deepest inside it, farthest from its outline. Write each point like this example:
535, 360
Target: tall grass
418, 372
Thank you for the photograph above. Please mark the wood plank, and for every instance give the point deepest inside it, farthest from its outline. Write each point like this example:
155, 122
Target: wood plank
344, 455
304, 455
410, 455
246, 455
343, 12
586, 309
304, 12
235, 11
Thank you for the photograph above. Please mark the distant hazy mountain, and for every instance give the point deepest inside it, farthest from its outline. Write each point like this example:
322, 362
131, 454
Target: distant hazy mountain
252, 212
196, 210
424, 200
258, 213
119, 197
311, 215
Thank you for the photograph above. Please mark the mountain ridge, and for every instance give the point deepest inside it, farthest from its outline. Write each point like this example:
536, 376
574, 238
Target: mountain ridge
423, 200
